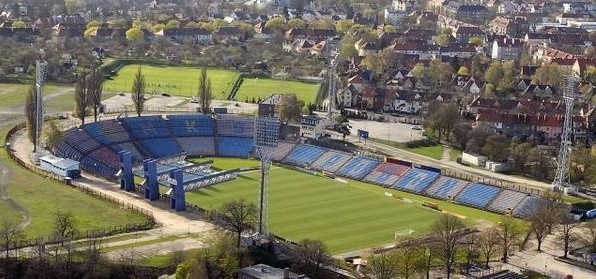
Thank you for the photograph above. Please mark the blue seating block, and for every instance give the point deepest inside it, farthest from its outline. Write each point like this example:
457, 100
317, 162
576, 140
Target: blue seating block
191, 125
234, 146
358, 167
525, 207
146, 127
235, 126
477, 194
416, 180
304, 155
163, 147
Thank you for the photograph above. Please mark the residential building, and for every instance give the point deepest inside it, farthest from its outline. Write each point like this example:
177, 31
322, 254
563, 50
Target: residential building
263, 271
507, 49
463, 33
467, 12
514, 27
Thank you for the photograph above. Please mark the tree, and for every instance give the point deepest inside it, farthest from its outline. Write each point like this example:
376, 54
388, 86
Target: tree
488, 244
442, 120
476, 41
158, 27
426, 256
461, 134
19, 24
31, 113
419, 71
10, 235
134, 35
519, 153
347, 50
408, 257
290, 108
538, 219
138, 92
509, 79
548, 73
172, 24
590, 236
64, 225
325, 24
494, 73
509, 233
440, 73
443, 39
95, 90
82, 98
92, 24
240, 215
343, 26
567, 225
383, 265
309, 257
496, 148
447, 230
277, 23
53, 135
463, 70
204, 92
296, 23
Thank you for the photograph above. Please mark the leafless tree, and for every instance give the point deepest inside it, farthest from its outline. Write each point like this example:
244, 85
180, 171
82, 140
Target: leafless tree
488, 244
509, 233
590, 236
426, 256
310, 257
383, 265
408, 257
138, 91
10, 234
204, 92
31, 113
82, 98
567, 225
447, 230
240, 215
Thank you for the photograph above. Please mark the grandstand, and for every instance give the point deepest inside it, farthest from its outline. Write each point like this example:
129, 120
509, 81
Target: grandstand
81, 141
282, 150
446, 188
235, 126
386, 174
330, 161
191, 125
525, 206
304, 155
416, 180
64, 150
198, 146
234, 146
107, 132
477, 194
506, 201
358, 167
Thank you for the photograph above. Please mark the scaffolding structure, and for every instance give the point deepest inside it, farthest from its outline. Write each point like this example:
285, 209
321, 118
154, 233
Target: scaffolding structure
41, 68
266, 141
561, 181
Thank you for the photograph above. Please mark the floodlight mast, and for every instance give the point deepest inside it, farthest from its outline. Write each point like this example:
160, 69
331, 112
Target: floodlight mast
562, 180
266, 141
41, 68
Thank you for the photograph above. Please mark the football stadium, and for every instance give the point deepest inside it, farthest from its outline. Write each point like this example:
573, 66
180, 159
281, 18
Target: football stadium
349, 199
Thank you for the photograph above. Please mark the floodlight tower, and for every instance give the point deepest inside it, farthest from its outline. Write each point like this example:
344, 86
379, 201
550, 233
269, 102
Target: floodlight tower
332, 90
41, 68
561, 180
266, 141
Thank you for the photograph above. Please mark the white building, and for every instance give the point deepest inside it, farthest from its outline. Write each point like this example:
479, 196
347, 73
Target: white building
312, 126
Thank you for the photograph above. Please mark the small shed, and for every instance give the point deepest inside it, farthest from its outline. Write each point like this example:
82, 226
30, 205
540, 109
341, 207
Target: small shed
60, 166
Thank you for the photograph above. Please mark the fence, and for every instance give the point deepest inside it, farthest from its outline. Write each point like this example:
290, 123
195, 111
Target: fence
149, 223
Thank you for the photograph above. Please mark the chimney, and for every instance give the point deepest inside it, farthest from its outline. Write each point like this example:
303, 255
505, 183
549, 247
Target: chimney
286, 273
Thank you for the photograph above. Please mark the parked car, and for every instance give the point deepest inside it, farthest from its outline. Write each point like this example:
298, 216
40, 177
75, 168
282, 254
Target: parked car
416, 127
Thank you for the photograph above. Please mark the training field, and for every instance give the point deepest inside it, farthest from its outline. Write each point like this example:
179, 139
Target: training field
346, 217
180, 81
263, 88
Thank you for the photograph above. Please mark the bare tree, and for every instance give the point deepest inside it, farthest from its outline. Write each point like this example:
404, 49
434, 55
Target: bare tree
509, 233
447, 230
426, 256
408, 257
545, 215
590, 236
383, 265
538, 224
567, 225
95, 85
310, 257
240, 215
138, 92
471, 249
10, 234
204, 92
488, 244
31, 113
82, 99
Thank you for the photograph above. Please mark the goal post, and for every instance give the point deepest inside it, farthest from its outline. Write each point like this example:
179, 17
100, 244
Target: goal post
402, 233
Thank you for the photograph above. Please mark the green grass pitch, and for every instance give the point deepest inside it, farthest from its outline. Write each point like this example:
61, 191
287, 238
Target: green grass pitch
180, 81
346, 217
263, 88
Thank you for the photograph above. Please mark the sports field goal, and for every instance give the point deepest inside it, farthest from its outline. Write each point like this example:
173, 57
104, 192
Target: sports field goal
403, 233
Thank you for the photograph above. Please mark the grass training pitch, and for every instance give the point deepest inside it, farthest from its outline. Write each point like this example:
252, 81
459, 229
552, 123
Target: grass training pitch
263, 88
180, 81
346, 217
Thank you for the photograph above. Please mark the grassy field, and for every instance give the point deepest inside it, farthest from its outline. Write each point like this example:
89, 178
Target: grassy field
42, 197
434, 151
263, 88
346, 217
181, 81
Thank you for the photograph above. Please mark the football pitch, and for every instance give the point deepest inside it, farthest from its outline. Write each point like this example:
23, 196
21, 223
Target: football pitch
345, 216
263, 88
179, 81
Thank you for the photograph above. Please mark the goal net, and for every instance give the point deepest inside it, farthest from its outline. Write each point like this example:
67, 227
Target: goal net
403, 233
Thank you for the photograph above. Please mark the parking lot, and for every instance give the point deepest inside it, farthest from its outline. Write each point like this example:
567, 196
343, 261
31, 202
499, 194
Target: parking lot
398, 132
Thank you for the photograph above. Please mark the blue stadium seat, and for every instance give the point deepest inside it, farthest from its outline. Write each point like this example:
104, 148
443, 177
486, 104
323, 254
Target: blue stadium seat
358, 167
131, 147
477, 194
330, 161
107, 132
81, 141
391, 168
446, 187
234, 146
146, 127
282, 150
416, 180
66, 151
198, 146
304, 155
382, 178
525, 207
162, 147
195, 125
235, 126
506, 201
97, 167
106, 156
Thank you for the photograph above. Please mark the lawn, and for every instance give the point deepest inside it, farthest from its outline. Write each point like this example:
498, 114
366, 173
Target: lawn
433, 151
346, 217
263, 88
15, 94
180, 81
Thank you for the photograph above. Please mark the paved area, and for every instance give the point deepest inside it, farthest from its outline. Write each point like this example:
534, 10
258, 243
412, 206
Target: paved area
398, 132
